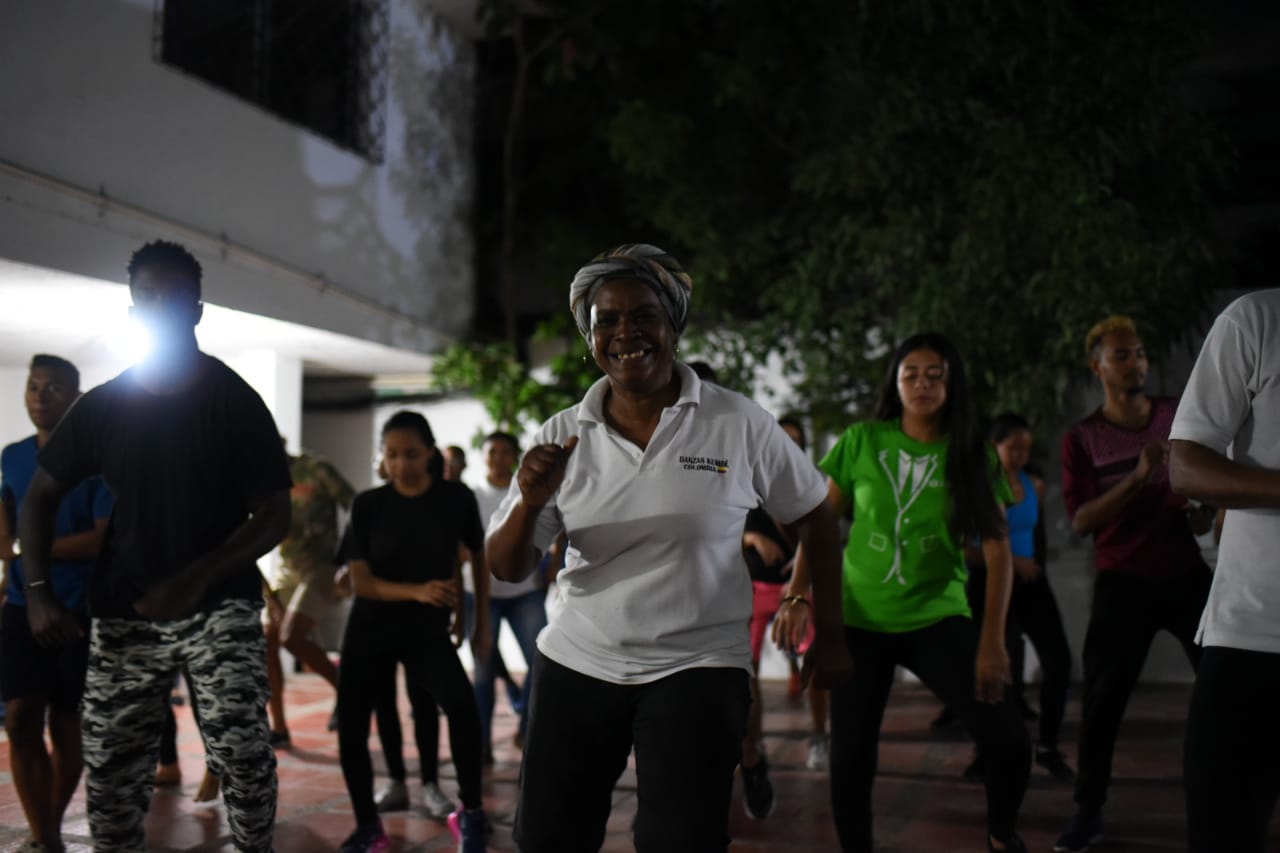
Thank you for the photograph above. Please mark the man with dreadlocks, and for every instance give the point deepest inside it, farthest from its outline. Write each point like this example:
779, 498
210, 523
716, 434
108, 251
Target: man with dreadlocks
201, 484
647, 646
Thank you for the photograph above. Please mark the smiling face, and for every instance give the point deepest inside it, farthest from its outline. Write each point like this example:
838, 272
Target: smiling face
632, 339
922, 383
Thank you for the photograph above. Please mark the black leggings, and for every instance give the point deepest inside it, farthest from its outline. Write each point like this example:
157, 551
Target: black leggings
1033, 611
426, 730
942, 656
370, 653
1232, 756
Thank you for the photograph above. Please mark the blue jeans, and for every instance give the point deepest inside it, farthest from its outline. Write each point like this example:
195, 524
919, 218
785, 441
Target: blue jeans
527, 616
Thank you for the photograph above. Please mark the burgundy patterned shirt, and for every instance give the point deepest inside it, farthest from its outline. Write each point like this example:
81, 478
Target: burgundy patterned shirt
1151, 536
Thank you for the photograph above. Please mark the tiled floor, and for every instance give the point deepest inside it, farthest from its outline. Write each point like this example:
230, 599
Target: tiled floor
920, 802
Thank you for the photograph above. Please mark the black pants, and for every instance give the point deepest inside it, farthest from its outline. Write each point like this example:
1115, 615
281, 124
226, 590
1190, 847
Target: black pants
943, 657
369, 657
1033, 611
1127, 612
426, 730
1232, 755
687, 732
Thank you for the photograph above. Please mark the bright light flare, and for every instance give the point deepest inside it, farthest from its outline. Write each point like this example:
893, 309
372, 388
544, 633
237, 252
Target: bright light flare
130, 341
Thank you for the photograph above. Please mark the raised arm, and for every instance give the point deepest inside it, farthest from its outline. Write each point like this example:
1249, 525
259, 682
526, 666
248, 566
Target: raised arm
1096, 513
541, 472
1202, 473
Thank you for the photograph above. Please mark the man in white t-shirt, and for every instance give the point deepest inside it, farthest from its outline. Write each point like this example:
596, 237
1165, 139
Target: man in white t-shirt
521, 604
1226, 452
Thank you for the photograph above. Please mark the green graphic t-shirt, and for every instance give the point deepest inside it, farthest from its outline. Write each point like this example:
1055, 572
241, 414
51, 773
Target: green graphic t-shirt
903, 568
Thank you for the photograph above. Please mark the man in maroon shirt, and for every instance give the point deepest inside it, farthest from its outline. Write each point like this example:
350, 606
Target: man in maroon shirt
1115, 483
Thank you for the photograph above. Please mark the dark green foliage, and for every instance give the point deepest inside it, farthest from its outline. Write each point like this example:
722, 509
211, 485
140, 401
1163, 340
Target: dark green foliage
838, 175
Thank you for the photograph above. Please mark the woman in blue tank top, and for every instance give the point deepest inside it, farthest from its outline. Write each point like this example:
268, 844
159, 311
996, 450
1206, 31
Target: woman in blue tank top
1033, 610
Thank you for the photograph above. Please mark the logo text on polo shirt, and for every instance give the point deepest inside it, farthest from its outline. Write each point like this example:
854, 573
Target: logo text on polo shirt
704, 463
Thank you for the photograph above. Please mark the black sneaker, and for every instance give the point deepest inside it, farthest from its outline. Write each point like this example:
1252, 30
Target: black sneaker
471, 829
1052, 760
1081, 834
1013, 845
366, 839
946, 719
757, 790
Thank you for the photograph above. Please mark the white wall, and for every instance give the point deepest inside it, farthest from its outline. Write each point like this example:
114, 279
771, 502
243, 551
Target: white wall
86, 105
14, 423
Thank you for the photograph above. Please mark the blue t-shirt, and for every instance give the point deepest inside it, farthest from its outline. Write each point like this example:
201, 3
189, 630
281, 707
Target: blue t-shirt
83, 505
1023, 517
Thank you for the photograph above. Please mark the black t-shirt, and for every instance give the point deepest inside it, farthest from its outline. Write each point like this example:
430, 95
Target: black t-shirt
759, 521
411, 540
184, 469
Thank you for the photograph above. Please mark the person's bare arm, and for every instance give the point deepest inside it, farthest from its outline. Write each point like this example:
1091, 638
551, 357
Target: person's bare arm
480, 636
8, 529
541, 472
1095, 514
992, 667
458, 628
51, 623
178, 595
817, 566
84, 545
441, 593
1202, 473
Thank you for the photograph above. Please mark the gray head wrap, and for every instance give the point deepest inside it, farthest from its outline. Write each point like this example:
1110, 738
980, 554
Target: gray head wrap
638, 262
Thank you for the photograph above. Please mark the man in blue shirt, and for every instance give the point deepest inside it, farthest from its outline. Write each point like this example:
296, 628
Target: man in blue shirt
33, 679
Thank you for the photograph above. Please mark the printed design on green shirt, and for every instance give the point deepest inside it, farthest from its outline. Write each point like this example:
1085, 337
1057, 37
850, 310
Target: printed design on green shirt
909, 482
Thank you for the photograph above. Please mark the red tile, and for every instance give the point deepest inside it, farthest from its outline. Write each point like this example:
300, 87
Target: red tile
920, 803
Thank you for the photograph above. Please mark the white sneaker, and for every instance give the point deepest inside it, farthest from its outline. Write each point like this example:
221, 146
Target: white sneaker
819, 753
393, 798
434, 802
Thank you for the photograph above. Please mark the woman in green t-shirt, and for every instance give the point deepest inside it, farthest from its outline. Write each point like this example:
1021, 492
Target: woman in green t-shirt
921, 482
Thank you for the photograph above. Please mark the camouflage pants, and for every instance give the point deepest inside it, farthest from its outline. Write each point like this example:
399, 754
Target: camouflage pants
132, 666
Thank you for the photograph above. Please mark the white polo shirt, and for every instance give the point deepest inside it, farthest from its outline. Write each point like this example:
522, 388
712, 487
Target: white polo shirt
654, 579
1233, 400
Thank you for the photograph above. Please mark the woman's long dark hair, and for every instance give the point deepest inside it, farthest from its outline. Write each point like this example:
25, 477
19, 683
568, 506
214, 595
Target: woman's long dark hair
969, 470
1005, 425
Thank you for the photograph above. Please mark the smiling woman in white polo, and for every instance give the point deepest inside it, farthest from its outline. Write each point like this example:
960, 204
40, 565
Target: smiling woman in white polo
651, 476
